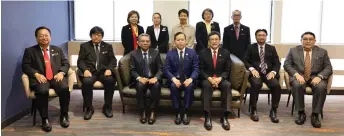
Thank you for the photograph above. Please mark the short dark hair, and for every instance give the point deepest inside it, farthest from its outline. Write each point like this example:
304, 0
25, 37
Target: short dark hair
179, 33
41, 27
308, 32
132, 13
261, 30
96, 29
157, 13
183, 11
214, 33
209, 10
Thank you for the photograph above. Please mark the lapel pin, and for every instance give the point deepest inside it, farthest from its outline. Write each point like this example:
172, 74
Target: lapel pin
219, 54
186, 54
232, 29
242, 29
52, 50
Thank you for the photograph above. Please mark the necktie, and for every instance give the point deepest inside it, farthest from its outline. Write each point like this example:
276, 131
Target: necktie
48, 70
146, 65
237, 32
307, 73
181, 66
214, 61
97, 55
262, 61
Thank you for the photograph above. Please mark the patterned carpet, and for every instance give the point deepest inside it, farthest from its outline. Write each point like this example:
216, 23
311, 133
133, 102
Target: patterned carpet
128, 124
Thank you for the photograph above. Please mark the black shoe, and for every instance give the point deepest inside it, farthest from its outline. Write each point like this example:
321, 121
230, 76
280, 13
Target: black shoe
152, 118
186, 119
315, 121
273, 116
207, 123
178, 119
64, 121
225, 124
46, 126
254, 115
89, 113
107, 110
143, 118
301, 118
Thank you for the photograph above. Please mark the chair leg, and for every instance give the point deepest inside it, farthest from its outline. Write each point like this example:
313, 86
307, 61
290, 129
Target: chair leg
268, 97
288, 99
249, 107
32, 108
239, 113
292, 108
34, 112
123, 108
245, 95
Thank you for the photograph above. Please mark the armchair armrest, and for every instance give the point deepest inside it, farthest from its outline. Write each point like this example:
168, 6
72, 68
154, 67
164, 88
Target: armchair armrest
329, 84
71, 79
25, 80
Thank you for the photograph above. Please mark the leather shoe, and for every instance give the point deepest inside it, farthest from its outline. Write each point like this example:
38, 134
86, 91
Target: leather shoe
207, 123
254, 115
64, 121
178, 119
301, 118
186, 119
152, 118
273, 116
107, 110
46, 126
89, 113
143, 118
315, 121
225, 124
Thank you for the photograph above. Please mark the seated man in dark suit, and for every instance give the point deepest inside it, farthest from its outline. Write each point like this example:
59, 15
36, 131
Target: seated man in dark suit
215, 66
47, 67
145, 67
262, 61
97, 62
181, 69
308, 65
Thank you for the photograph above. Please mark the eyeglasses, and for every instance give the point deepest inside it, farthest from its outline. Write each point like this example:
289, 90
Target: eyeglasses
308, 39
43, 36
97, 35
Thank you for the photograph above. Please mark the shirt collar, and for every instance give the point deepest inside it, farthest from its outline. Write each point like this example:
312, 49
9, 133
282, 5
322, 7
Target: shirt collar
181, 50
211, 22
96, 44
238, 25
42, 48
261, 45
212, 50
144, 51
157, 27
180, 25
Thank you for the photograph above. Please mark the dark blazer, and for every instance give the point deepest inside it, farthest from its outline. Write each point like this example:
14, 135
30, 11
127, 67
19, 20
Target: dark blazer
171, 68
127, 38
223, 64
137, 64
321, 64
162, 41
87, 58
33, 62
202, 34
271, 58
236, 46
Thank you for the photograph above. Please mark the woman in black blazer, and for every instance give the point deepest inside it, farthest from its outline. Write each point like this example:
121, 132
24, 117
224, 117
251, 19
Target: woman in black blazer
131, 32
203, 28
158, 34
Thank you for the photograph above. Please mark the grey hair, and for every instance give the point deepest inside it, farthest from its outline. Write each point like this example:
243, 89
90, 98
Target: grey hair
143, 34
236, 11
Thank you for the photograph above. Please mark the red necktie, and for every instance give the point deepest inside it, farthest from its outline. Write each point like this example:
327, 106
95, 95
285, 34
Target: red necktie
48, 70
237, 32
214, 61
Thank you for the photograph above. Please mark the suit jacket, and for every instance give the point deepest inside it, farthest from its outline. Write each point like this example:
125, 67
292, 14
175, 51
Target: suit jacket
321, 64
223, 64
162, 41
202, 34
171, 68
127, 38
33, 62
137, 64
252, 59
236, 46
87, 58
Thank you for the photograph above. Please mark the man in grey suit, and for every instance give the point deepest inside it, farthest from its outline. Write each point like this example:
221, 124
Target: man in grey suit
308, 65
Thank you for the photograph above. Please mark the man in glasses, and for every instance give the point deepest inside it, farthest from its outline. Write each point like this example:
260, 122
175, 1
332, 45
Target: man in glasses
308, 65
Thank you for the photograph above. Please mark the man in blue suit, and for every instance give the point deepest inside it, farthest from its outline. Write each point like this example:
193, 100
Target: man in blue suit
181, 69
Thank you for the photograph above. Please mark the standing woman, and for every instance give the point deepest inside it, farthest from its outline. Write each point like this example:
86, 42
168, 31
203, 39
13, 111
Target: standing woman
131, 31
158, 34
203, 28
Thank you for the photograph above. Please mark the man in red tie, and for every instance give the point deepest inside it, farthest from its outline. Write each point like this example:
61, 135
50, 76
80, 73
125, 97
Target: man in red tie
47, 67
215, 67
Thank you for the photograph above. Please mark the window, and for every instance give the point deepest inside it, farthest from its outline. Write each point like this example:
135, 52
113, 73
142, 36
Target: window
299, 16
111, 15
219, 7
256, 14
332, 24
